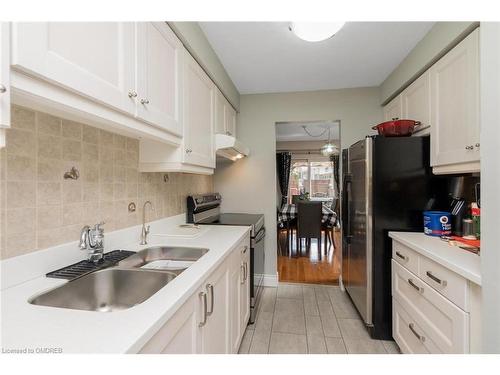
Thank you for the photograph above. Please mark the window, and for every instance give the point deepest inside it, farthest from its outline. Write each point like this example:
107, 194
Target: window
313, 177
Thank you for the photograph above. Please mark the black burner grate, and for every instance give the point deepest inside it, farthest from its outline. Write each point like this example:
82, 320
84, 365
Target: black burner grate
84, 267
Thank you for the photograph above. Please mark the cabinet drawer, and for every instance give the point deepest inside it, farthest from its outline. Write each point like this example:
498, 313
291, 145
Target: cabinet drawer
406, 337
448, 283
441, 321
405, 256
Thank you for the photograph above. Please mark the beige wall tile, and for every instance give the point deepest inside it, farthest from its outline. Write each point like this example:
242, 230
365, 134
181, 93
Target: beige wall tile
20, 220
49, 146
50, 170
20, 168
72, 214
21, 142
72, 129
71, 150
48, 124
90, 152
41, 209
49, 193
90, 135
22, 118
72, 191
21, 194
49, 217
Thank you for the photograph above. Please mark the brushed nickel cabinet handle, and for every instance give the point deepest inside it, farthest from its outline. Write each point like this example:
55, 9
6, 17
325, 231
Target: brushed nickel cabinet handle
417, 335
144, 101
246, 271
401, 255
410, 281
3, 89
210, 290
132, 94
436, 279
242, 268
470, 147
203, 296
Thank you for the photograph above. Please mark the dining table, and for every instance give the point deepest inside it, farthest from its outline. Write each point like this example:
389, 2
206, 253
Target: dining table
288, 212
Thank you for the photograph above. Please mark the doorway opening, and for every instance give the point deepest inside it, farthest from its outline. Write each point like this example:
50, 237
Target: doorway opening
308, 193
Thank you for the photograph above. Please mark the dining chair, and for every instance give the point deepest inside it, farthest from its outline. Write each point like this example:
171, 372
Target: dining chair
309, 215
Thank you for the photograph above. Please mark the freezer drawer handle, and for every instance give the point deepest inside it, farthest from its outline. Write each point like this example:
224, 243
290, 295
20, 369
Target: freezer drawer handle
401, 255
410, 281
436, 279
412, 329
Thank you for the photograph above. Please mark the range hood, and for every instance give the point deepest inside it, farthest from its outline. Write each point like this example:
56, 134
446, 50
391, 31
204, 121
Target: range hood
230, 148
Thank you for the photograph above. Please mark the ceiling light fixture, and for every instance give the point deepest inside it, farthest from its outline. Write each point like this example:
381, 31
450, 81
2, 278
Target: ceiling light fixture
329, 148
315, 31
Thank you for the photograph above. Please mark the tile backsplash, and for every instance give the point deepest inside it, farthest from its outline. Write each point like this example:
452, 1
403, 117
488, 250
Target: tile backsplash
39, 208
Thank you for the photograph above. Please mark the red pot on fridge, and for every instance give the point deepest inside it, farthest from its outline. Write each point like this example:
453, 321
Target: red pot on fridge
396, 128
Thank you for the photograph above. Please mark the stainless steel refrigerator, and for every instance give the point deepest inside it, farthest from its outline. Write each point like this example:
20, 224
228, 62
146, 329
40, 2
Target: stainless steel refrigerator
387, 183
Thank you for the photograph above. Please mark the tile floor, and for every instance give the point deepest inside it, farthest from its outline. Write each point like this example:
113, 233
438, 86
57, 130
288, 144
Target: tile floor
309, 319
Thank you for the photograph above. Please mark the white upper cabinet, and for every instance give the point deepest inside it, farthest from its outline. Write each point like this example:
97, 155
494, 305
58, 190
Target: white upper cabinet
4, 81
416, 103
94, 59
159, 76
225, 116
394, 109
455, 108
199, 105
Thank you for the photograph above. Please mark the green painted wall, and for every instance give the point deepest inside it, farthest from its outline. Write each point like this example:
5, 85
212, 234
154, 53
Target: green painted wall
440, 39
198, 45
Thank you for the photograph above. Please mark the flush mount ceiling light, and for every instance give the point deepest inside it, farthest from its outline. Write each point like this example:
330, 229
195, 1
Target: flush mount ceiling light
315, 31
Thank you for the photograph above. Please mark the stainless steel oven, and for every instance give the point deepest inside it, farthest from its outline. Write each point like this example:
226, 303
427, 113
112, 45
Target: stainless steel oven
205, 209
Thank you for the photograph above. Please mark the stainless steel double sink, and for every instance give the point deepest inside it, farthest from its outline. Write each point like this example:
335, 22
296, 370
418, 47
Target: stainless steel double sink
122, 286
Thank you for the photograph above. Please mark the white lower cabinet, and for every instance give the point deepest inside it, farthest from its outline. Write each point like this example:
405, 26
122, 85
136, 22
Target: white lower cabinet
214, 318
435, 310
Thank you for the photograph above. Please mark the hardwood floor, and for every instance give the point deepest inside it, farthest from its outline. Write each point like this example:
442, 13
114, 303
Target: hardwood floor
309, 268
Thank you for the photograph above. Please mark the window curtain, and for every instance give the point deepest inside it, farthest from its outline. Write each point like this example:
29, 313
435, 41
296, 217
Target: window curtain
283, 164
335, 163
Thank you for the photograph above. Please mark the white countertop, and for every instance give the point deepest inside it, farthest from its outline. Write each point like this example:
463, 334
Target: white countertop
458, 260
76, 331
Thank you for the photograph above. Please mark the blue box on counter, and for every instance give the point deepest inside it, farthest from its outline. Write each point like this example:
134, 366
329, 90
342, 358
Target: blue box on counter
437, 223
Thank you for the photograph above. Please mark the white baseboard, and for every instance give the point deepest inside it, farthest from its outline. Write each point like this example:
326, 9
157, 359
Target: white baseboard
270, 280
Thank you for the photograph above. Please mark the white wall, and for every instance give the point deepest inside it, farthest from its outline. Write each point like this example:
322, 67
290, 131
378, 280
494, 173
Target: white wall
249, 185
490, 184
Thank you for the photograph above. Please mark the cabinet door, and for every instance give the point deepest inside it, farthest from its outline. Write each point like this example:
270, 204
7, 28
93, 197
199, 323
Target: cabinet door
94, 59
245, 289
230, 119
235, 279
159, 76
181, 334
394, 109
455, 104
4, 79
199, 100
220, 113
416, 102
216, 330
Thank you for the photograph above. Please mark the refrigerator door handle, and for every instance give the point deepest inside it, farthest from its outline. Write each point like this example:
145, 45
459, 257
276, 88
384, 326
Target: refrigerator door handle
347, 220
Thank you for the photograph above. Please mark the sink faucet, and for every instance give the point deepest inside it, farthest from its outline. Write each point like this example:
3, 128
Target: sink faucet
145, 230
92, 240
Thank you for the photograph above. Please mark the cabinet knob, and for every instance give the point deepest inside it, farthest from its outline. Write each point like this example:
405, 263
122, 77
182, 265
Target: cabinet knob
132, 94
228, 133
469, 147
477, 145
2, 89
144, 101
188, 151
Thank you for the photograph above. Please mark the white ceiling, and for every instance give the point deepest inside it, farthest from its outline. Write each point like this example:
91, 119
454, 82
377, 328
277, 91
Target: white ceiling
294, 131
266, 57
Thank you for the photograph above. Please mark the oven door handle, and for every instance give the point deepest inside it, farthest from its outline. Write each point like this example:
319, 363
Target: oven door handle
260, 235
